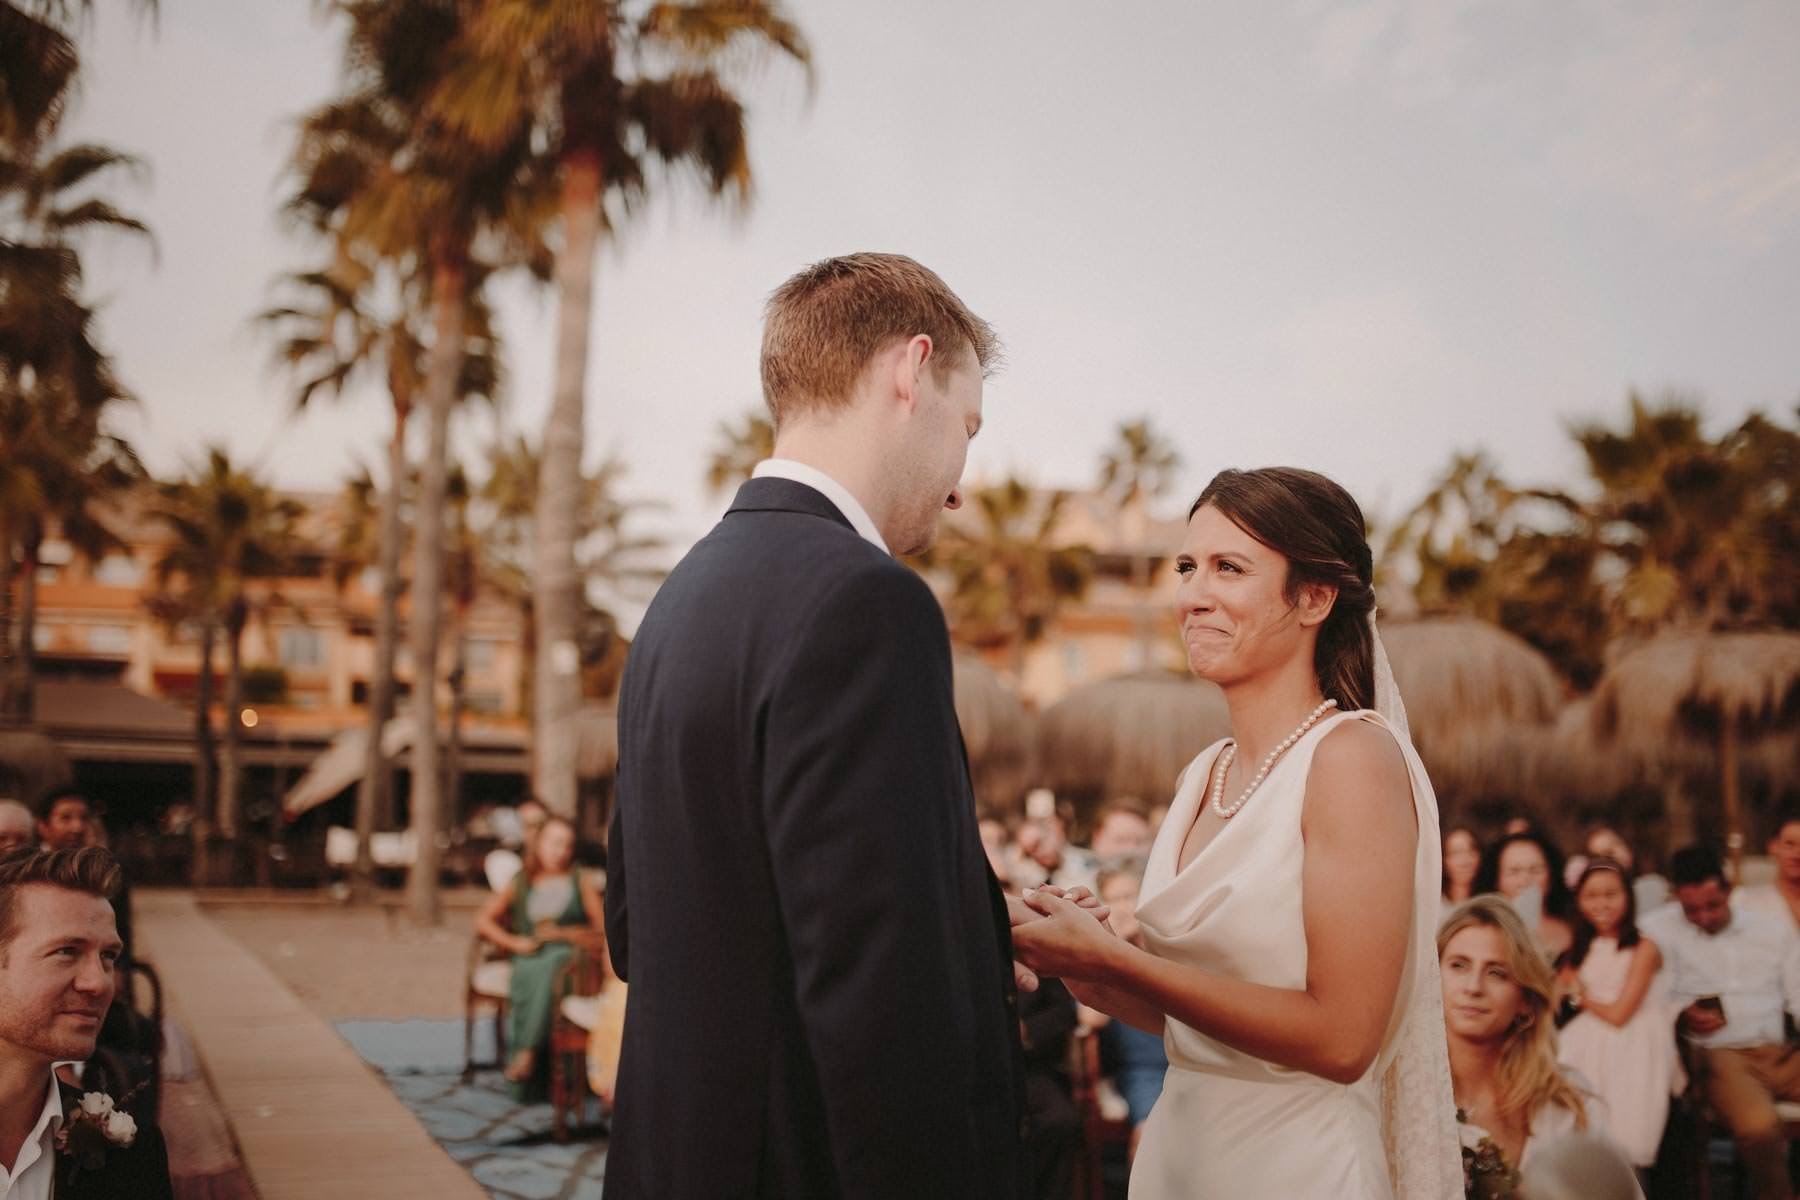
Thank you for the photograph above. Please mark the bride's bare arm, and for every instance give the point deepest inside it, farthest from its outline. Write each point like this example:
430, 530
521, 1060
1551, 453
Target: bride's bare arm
1360, 835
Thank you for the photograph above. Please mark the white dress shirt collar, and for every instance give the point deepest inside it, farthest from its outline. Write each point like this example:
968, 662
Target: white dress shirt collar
34, 1170
831, 489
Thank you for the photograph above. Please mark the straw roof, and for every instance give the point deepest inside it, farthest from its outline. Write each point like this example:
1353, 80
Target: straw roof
996, 731
1129, 736
1479, 700
30, 765
1685, 684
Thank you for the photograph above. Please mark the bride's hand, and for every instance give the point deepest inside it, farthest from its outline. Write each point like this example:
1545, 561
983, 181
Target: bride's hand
1066, 941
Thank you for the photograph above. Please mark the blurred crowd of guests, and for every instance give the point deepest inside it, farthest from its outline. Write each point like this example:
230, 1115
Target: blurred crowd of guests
1129, 1063
1585, 995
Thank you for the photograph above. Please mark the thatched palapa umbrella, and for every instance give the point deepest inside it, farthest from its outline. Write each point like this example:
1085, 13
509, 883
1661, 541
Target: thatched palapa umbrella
996, 732
30, 765
1129, 736
1724, 690
1479, 700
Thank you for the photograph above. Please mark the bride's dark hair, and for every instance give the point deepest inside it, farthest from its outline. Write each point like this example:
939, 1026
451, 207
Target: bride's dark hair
1318, 527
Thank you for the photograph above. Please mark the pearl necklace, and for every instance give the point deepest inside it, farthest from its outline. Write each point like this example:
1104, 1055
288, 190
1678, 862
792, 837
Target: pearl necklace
1229, 755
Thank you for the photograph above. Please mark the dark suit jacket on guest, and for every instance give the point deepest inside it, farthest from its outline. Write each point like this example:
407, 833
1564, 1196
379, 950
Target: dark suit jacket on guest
140, 1172
819, 958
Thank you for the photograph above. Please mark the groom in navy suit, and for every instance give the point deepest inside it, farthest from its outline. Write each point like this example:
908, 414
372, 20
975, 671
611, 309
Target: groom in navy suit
822, 996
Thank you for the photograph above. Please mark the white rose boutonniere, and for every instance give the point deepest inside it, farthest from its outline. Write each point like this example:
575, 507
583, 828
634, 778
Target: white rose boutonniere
96, 1126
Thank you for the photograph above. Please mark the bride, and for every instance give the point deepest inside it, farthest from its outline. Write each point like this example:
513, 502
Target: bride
1290, 903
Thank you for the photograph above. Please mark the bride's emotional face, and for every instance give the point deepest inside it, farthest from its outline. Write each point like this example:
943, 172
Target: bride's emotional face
1236, 620
1482, 1000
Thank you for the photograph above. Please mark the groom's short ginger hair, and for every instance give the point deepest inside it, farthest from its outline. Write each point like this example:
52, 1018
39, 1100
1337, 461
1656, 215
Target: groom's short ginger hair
90, 869
823, 325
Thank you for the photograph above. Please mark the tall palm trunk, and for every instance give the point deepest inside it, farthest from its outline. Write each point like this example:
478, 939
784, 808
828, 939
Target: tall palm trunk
204, 766
459, 696
230, 768
448, 294
21, 701
375, 793
7, 574
557, 586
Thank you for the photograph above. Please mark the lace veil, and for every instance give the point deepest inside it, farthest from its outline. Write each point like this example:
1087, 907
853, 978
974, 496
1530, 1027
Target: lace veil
1418, 1106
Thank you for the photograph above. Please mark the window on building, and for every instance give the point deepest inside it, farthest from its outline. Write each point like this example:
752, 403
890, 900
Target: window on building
302, 647
118, 570
41, 637
109, 639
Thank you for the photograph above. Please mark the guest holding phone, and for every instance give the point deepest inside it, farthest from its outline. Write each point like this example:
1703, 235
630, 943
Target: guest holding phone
1732, 975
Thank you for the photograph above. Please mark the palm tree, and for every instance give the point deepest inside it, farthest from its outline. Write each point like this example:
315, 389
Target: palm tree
226, 529
331, 332
611, 88
1138, 467
55, 382
1007, 577
619, 564
740, 448
387, 182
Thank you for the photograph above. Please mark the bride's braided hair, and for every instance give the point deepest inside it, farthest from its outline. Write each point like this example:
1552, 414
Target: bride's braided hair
1318, 527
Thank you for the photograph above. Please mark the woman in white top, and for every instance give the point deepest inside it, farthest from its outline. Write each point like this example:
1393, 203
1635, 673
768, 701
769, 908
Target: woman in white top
1291, 896
1498, 1005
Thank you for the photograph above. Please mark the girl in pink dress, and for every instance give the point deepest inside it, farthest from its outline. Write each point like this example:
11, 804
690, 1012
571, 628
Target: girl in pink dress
1623, 1041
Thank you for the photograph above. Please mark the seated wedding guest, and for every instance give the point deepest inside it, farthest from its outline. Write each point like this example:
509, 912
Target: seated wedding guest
1527, 869
66, 821
1462, 859
552, 907
1135, 1061
1622, 1043
1120, 829
59, 949
1731, 975
519, 829
1498, 997
1649, 890
1053, 1125
1782, 897
15, 827
1042, 850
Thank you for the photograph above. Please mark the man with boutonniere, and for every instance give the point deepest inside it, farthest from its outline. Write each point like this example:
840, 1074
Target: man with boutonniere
59, 949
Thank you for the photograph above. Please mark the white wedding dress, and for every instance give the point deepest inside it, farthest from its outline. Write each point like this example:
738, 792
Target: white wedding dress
1229, 1124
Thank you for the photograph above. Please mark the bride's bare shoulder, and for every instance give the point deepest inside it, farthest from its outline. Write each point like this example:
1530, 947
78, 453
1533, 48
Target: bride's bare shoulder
1359, 759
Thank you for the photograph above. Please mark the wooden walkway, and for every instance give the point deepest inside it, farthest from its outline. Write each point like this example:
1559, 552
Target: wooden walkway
311, 1119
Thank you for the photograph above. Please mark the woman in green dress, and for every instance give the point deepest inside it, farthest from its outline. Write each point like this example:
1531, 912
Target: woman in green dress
552, 908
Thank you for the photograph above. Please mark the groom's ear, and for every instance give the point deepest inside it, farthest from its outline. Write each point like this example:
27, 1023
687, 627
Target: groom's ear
910, 363
1315, 602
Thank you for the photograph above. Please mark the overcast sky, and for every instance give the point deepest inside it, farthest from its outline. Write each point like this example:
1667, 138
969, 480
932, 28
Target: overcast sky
1354, 235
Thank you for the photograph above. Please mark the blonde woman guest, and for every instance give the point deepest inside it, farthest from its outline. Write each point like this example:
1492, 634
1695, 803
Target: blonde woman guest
1623, 1040
1498, 995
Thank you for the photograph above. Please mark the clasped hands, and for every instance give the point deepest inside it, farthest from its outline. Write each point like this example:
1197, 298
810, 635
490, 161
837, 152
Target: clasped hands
1056, 933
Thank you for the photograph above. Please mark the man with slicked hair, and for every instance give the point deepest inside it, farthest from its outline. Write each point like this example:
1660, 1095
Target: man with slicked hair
822, 996
59, 951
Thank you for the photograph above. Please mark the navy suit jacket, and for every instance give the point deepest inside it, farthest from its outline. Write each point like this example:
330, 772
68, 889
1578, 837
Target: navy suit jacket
818, 955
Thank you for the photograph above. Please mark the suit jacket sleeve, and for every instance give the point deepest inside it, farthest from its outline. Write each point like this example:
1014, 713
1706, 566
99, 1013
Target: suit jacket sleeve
618, 927
864, 784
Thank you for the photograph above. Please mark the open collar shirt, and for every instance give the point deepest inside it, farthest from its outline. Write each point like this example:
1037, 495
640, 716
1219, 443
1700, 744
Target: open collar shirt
1752, 965
34, 1170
